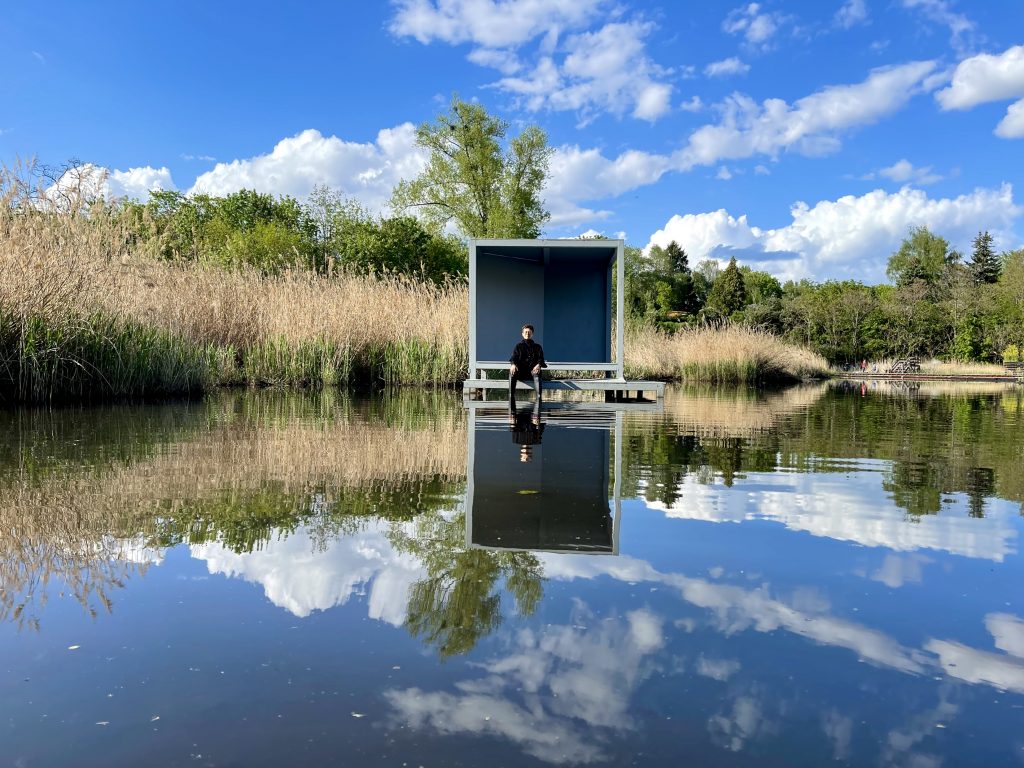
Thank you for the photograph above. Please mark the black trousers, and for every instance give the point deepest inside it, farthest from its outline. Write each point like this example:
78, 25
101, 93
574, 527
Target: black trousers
518, 376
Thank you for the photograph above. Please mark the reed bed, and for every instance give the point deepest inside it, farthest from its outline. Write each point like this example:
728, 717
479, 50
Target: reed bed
87, 313
728, 353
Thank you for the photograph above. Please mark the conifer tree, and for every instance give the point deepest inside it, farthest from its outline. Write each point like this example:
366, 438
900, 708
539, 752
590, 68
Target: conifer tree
728, 294
985, 267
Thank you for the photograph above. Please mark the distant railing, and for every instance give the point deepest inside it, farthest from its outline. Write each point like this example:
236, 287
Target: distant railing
906, 365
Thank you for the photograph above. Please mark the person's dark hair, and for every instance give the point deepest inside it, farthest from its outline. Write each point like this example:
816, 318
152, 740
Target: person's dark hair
528, 326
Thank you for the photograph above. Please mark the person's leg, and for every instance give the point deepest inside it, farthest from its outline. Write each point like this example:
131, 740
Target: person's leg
512, 380
536, 385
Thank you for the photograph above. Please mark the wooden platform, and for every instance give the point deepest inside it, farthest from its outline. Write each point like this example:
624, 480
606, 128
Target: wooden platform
616, 390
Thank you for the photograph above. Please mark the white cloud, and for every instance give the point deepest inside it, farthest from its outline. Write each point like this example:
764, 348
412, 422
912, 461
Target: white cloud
489, 23
693, 104
724, 174
504, 61
365, 171
1012, 126
983, 78
852, 13
588, 59
990, 77
726, 67
585, 174
757, 26
962, 30
849, 237
903, 171
137, 183
607, 70
809, 125
87, 181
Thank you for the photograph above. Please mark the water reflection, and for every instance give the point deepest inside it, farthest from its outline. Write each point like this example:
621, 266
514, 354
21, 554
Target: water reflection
790, 577
548, 487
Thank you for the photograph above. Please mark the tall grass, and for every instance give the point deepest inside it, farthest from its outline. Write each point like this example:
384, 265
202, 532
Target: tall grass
727, 353
87, 313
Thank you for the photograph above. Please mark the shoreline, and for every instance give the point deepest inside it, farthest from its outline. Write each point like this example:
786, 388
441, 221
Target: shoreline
962, 377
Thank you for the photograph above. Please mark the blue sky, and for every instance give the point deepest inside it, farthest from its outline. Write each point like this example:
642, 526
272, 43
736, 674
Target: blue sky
802, 137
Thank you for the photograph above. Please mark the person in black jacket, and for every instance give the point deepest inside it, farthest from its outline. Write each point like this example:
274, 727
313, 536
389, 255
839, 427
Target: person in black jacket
525, 363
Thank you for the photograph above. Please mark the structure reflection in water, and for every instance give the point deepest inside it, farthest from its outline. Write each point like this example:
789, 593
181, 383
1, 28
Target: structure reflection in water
541, 477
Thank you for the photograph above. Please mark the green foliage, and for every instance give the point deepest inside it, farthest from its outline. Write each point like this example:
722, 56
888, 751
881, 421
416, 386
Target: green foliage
398, 244
728, 294
922, 257
985, 266
468, 180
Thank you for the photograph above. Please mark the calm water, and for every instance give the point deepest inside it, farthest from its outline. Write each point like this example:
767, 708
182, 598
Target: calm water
809, 577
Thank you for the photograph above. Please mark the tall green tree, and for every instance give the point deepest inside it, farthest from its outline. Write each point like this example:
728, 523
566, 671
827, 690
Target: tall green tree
472, 182
985, 266
922, 257
728, 294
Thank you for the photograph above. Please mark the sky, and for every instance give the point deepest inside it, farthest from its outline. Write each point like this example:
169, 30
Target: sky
803, 137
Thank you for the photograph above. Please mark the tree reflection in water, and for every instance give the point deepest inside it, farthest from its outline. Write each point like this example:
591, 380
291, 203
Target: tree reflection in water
457, 603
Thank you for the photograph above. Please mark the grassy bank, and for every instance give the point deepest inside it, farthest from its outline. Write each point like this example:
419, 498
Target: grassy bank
86, 314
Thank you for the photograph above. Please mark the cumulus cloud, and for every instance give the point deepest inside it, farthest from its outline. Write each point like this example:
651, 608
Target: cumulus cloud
756, 26
849, 237
1012, 126
88, 181
137, 183
367, 171
983, 78
852, 13
903, 171
990, 77
588, 58
726, 67
809, 125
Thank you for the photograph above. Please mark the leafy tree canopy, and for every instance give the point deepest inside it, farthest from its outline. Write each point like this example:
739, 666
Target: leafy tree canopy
471, 182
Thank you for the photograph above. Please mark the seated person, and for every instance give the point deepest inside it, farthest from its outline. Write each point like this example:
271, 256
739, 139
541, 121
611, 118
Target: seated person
525, 363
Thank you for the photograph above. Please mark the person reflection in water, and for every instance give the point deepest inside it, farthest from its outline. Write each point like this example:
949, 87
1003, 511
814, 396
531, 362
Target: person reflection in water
525, 363
526, 428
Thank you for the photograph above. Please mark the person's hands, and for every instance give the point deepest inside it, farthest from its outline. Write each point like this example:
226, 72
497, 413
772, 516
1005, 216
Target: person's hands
536, 369
512, 369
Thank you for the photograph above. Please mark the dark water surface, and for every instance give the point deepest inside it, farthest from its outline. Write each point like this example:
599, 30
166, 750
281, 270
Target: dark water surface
807, 577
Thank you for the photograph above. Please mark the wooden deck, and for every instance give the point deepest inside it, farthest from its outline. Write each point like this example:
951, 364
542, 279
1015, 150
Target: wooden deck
616, 390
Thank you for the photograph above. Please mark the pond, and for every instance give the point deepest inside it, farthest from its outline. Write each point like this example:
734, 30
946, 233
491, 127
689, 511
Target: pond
820, 575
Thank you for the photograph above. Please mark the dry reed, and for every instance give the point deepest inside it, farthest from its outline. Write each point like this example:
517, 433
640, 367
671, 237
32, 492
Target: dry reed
86, 313
727, 353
